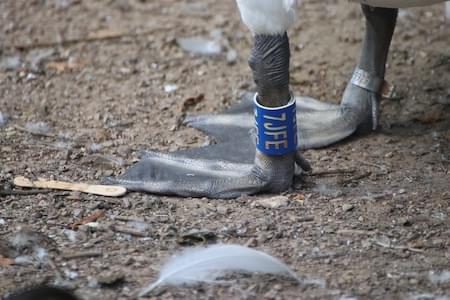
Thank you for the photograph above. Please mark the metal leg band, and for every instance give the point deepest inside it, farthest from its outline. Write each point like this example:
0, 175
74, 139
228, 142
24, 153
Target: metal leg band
372, 83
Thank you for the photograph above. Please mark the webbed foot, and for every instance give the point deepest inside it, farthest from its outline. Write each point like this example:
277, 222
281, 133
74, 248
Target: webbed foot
178, 174
233, 167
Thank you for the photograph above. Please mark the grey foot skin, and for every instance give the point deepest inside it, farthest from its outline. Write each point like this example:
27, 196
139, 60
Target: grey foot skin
363, 103
232, 167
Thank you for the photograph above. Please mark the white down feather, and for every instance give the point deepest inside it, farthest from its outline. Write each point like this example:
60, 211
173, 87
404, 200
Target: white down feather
267, 16
207, 264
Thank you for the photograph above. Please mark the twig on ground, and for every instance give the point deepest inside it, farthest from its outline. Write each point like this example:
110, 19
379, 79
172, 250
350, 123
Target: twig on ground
381, 167
38, 133
375, 197
92, 217
332, 172
87, 254
305, 219
5, 193
355, 232
6, 261
130, 231
355, 178
128, 219
389, 246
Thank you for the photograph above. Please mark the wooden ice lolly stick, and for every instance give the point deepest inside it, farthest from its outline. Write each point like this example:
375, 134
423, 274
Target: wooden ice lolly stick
102, 190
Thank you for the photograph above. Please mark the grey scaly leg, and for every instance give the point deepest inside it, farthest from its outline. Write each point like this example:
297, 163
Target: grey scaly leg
360, 102
269, 61
319, 123
224, 170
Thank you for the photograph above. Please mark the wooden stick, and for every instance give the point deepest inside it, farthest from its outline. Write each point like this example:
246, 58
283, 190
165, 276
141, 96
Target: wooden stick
102, 190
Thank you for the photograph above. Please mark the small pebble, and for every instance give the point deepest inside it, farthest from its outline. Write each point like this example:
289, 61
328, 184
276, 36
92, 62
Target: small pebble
199, 45
273, 202
223, 210
170, 88
38, 127
3, 119
232, 56
347, 207
10, 63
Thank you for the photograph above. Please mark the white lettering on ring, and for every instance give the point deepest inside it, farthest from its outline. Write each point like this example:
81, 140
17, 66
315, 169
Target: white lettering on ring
277, 144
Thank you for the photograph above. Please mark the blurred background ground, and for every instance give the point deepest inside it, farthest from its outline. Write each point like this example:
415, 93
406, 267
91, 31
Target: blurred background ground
85, 85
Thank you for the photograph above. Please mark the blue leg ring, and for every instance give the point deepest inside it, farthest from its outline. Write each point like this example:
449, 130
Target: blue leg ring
276, 128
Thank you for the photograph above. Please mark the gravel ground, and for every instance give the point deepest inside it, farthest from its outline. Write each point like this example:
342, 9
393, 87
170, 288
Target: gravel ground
85, 85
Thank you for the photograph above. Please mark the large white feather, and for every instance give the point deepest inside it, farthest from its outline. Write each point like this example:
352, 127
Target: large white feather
207, 264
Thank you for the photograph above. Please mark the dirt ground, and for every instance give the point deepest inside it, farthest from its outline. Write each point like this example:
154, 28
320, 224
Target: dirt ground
85, 85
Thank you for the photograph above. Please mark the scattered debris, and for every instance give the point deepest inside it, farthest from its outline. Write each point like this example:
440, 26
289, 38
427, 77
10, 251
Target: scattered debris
110, 279
273, 202
3, 119
129, 230
389, 245
352, 232
38, 57
10, 63
327, 190
304, 219
347, 207
87, 254
170, 88
195, 237
25, 247
331, 172
190, 102
71, 275
354, 178
106, 161
71, 235
42, 292
37, 128
5, 261
4, 193
439, 278
92, 217
232, 56
31, 76
72, 64
139, 225
199, 45
100, 35
64, 4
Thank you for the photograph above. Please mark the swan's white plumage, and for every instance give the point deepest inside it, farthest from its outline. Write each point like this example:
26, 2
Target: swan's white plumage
267, 16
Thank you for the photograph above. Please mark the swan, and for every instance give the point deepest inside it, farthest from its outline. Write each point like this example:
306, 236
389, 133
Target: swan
259, 141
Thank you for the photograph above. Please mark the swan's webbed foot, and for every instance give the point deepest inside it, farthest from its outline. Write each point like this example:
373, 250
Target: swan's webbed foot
177, 174
232, 167
245, 161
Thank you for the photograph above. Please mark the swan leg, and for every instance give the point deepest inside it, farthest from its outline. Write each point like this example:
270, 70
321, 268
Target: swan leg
320, 123
234, 166
224, 170
358, 110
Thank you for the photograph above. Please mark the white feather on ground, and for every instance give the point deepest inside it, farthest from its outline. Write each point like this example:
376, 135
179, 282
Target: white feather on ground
207, 264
